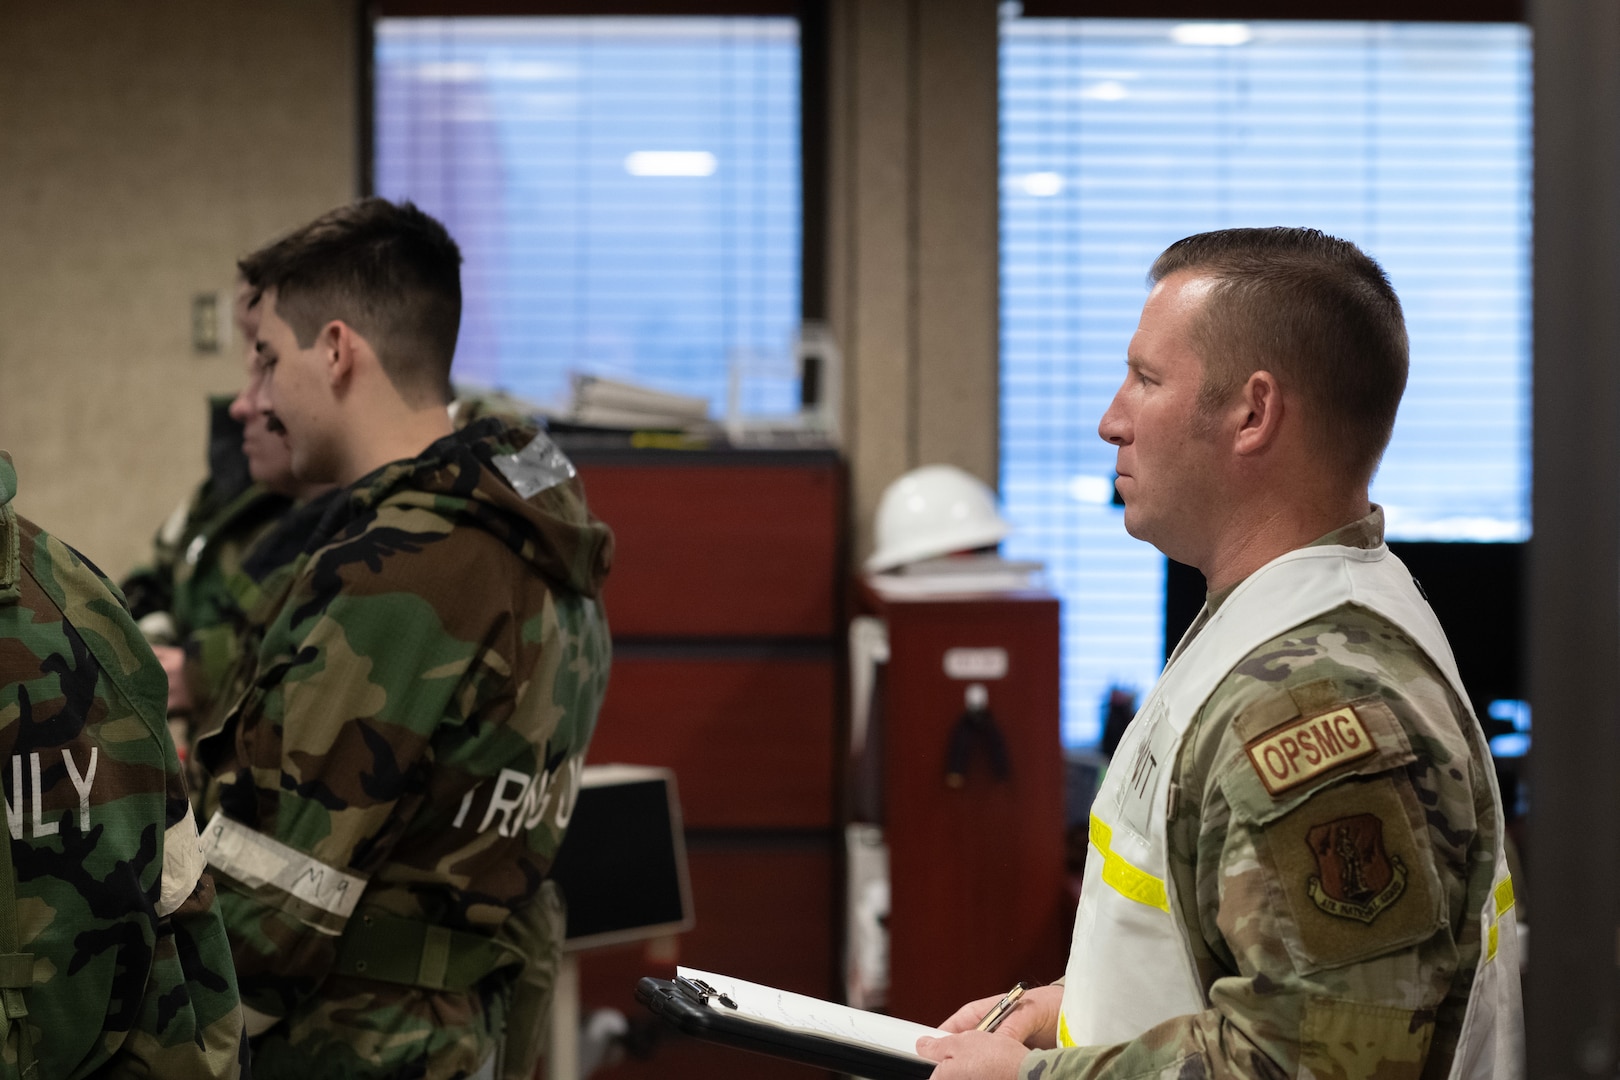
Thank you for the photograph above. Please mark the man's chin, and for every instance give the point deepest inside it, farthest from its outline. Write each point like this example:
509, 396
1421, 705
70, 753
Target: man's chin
278, 480
1137, 528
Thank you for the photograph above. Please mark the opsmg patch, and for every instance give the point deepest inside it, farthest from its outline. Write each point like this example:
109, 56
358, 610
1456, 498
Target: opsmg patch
1299, 752
1356, 878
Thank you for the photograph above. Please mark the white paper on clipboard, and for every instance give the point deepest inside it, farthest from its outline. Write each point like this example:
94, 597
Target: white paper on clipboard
815, 1016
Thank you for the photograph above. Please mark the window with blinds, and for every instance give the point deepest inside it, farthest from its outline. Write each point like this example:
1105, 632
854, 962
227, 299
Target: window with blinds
625, 192
1121, 136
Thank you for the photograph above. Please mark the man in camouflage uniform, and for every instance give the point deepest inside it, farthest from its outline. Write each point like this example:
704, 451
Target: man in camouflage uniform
184, 599
396, 779
1296, 863
113, 958
247, 598
199, 601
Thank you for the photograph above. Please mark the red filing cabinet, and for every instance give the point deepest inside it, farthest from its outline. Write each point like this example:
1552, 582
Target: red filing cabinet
978, 894
725, 604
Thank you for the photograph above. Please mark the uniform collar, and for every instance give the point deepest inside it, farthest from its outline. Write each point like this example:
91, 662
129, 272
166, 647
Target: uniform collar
1366, 532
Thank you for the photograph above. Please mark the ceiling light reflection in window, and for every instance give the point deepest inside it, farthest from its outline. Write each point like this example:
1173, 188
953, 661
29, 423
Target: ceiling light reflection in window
1209, 33
670, 163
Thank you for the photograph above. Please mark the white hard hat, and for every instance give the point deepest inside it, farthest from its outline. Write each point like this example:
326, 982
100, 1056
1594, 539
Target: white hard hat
934, 511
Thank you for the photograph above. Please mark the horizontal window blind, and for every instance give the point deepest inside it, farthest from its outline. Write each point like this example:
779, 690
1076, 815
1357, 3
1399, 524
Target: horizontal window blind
625, 192
1120, 136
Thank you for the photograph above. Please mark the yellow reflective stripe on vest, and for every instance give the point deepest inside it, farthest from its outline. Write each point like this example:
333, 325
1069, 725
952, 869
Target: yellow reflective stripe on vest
1504, 904
1065, 1039
1127, 880
1504, 896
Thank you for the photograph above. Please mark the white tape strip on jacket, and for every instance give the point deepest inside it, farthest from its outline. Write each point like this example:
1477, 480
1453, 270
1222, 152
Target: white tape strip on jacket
183, 864
255, 859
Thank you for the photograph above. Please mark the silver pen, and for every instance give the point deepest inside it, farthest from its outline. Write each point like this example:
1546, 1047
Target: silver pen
999, 1011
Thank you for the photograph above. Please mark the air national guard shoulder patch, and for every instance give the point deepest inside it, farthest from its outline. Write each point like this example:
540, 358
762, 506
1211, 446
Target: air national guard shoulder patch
1355, 877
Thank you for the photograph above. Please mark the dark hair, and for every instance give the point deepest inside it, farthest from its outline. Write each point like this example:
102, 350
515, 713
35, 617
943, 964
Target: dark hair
1316, 312
387, 269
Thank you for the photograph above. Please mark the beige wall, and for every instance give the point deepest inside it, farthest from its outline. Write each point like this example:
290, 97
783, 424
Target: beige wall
143, 147
913, 257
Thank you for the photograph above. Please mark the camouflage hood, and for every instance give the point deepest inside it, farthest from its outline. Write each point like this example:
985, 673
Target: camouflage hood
507, 480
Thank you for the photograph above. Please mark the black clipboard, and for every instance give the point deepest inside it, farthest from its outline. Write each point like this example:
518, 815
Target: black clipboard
697, 1010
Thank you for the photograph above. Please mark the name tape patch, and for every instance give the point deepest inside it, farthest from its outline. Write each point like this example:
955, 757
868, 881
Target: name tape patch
1302, 750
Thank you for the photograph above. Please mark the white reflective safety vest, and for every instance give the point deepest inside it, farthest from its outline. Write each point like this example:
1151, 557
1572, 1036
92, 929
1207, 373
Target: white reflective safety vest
1130, 964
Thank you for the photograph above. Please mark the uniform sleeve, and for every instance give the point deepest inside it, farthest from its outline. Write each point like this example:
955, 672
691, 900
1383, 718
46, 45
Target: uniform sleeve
326, 752
190, 1023
1324, 908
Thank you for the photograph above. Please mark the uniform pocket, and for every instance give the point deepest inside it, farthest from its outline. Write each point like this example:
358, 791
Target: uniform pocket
1345, 1040
1355, 875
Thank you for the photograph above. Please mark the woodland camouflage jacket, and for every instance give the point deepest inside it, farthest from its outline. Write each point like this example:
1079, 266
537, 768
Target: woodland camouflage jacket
130, 969
409, 744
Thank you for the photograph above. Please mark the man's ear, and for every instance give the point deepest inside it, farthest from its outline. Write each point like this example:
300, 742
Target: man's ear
1261, 407
336, 342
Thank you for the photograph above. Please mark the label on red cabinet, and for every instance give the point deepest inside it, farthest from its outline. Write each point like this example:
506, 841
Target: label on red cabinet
976, 663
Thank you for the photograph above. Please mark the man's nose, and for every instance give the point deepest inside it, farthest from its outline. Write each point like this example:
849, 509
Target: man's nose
1112, 428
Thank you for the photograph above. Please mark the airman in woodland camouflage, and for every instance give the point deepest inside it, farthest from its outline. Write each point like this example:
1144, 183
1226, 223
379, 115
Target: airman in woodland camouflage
176, 581
395, 780
181, 598
1296, 864
224, 559
113, 957
249, 597
185, 600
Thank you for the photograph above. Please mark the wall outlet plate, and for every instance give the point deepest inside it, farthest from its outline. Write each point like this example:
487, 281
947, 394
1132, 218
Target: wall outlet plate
205, 322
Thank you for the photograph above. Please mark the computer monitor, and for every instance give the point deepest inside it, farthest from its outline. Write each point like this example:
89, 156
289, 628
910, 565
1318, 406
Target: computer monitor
1477, 591
622, 865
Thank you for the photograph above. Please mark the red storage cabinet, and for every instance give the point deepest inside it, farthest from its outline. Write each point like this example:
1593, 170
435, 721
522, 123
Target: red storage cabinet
978, 894
749, 736
725, 605
717, 545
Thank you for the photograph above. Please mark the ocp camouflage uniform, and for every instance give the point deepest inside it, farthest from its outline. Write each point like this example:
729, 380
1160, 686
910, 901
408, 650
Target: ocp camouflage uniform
183, 596
406, 758
1299, 983
116, 958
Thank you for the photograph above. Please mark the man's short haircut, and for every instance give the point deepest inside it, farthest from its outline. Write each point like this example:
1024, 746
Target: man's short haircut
389, 271
1313, 310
